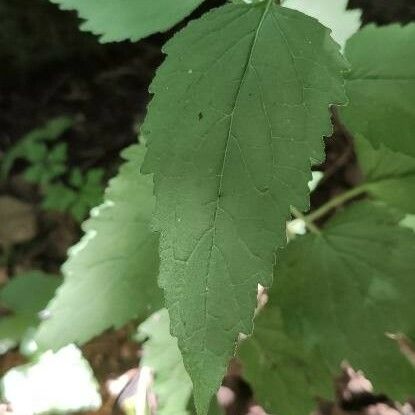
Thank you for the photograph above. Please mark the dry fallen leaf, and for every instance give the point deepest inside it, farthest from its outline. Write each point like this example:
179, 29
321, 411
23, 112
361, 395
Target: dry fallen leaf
17, 221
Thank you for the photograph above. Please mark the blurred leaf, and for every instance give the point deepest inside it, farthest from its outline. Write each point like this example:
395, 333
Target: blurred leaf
18, 221
172, 384
86, 191
59, 382
88, 194
32, 147
111, 274
76, 178
59, 197
25, 296
48, 165
409, 222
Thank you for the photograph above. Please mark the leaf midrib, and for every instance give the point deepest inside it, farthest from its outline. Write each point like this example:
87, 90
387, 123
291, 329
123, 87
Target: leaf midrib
224, 160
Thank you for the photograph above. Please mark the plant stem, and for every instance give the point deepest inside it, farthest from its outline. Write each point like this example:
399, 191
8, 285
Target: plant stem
336, 201
308, 223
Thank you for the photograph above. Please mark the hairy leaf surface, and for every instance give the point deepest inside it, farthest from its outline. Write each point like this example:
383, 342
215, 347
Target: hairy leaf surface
390, 176
117, 20
240, 107
336, 296
381, 86
172, 384
111, 273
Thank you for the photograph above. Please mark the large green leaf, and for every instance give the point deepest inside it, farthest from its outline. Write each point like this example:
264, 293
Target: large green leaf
336, 296
381, 86
240, 107
362, 273
117, 20
172, 384
331, 13
111, 274
390, 176
24, 296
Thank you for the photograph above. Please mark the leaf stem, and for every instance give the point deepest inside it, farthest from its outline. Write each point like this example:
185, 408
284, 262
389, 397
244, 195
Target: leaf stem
336, 201
308, 223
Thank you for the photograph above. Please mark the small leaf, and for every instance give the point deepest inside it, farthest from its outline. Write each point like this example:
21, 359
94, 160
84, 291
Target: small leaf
59, 197
110, 276
89, 193
390, 176
32, 146
24, 296
117, 20
240, 107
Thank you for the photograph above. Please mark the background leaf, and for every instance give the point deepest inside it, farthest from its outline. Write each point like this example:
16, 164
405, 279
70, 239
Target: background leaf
336, 296
24, 296
361, 269
172, 384
285, 378
111, 273
390, 176
117, 20
240, 107
381, 86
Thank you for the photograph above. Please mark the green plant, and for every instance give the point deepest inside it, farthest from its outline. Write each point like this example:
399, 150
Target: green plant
235, 126
24, 297
48, 166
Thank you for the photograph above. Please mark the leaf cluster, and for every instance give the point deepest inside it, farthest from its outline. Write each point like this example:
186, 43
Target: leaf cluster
64, 189
235, 126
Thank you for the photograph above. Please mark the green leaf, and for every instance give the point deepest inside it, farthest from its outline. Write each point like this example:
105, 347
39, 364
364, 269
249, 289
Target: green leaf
172, 384
240, 107
89, 193
59, 197
381, 86
285, 378
390, 176
332, 14
110, 276
25, 296
32, 147
46, 164
117, 20
337, 295
85, 193
341, 292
